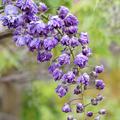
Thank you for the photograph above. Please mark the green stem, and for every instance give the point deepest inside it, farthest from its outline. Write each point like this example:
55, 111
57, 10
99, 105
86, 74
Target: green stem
71, 51
45, 17
74, 100
82, 95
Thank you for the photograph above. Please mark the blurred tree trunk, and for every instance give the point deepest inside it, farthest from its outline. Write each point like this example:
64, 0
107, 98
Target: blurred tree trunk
11, 99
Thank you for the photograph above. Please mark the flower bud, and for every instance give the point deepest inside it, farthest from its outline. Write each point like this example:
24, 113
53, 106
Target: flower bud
102, 112
89, 114
94, 101
66, 108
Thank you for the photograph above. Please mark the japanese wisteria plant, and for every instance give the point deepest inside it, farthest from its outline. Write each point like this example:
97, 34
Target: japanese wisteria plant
41, 33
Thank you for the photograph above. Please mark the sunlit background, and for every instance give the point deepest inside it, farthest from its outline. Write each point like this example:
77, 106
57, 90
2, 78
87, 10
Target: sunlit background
27, 90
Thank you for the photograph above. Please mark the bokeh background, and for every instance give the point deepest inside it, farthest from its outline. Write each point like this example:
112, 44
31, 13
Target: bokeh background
27, 90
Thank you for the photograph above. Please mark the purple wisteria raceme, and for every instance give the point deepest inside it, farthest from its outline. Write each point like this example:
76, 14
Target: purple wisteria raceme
43, 34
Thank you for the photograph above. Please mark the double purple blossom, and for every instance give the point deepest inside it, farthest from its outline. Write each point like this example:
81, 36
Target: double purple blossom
81, 60
61, 90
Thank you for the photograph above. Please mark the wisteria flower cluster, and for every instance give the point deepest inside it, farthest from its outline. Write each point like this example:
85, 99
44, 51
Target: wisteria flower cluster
42, 34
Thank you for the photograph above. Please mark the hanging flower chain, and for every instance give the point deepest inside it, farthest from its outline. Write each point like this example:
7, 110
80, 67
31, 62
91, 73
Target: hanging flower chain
42, 34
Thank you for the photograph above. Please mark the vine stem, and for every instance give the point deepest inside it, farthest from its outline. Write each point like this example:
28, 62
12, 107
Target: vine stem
74, 100
82, 95
71, 51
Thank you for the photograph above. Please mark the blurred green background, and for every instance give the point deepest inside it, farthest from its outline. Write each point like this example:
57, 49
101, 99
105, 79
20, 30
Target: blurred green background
35, 90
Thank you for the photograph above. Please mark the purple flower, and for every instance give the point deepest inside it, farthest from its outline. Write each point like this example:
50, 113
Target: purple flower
86, 51
70, 30
61, 90
19, 3
44, 56
84, 79
100, 97
55, 22
70, 117
11, 10
99, 84
68, 77
27, 18
53, 67
36, 28
9, 21
94, 101
28, 39
79, 108
71, 20
89, 114
66, 108
6, 2
76, 71
99, 69
27, 6
64, 59
19, 40
50, 43
65, 40
102, 112
36, 43
74, 42
81, 60
63, 11
77, 90
42, 7
84, 38
57, 74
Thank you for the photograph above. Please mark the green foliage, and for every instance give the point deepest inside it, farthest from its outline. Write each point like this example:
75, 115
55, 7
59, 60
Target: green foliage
41, 103
7, 61
54, 4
